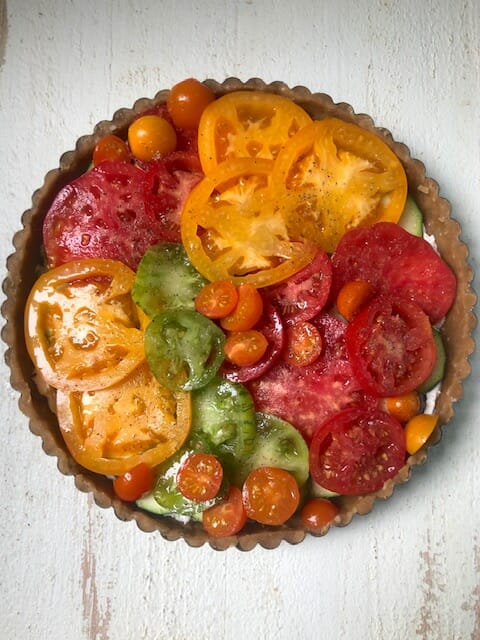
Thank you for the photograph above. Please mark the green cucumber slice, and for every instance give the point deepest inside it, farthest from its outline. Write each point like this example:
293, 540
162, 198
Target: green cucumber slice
439, 369
317, 491
412, 218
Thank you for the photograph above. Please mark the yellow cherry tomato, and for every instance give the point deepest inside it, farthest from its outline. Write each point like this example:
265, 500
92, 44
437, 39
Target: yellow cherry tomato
418, 430
151, 137
403, 407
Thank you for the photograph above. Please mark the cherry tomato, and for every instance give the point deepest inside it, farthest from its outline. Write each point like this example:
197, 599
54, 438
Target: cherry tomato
318, 513
200, 477
418, 430
352, 296
111, 148
303, 344
270, 495
227, 517
244, 348
356, 450
247, 311
151, 137
217, 299
403, 407
247, 124
131, 485
187, 101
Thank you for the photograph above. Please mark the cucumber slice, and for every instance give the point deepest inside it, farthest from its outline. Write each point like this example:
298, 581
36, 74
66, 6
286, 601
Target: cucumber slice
166, 280
412, 218
317, 491
439, 369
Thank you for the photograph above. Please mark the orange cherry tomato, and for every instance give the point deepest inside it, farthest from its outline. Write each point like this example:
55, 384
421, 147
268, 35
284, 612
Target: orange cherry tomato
418, 430
137, 420
333, 176
270, 495
247, 124
217, 299
303, 344
247, 311
200, 477
244, 348
151, 137
318, 513
403, 407
132, 484
82, 329
187, 101
232, 228
227, 517
353, 296
111, 148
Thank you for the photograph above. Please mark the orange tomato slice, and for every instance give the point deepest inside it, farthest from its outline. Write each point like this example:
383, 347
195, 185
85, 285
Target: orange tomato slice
247, 124
232, 228
82, 329
333, 176
112, 430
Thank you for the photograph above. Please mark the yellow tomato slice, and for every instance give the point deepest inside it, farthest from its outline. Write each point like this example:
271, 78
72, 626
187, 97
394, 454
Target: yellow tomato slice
137, 420
333, 176
247, 124
82, 329
233, 229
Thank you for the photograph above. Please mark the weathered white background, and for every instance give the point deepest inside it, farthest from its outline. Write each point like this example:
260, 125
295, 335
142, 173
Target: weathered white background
70, 571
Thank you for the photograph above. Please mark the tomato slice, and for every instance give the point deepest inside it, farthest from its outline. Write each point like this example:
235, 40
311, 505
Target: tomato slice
247, 124
200, 477
132, 484
356, 451
82, 329
226, 518
303, 344
396, 263
270, 495
245, 348
391, 346
217, 299
232, 230
247, 311
112, 430
333, 176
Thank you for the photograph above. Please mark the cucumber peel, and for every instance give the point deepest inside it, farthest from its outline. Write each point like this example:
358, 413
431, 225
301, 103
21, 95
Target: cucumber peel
439, 369
412, 218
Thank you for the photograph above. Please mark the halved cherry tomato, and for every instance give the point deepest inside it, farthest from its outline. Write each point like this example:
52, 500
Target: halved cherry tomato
82, 329
356, 450
187, 101
151, 137
270, 495
403, 407
303, 344
333, 176
200, 477
137, 420
352, 296
132, 484
111, 148
226, 518
232, 227
418, 430
217, 299
244, 348
318, 513
247, 312
247, 124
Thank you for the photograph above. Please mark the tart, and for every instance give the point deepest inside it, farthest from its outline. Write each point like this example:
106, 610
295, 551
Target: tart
41, 404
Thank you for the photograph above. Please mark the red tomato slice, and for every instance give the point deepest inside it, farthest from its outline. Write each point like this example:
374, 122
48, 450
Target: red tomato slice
396, 263
356, 450
306, 396
391, 346
227, 517
304, 294
200, 477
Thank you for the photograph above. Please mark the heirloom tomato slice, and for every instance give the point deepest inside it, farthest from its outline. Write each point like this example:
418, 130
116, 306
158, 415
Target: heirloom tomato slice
232, 228
247, 124
333, 176
137, 420
82, 329
356, 450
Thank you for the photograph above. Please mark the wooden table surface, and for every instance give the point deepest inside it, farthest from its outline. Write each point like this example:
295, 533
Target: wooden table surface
411, 568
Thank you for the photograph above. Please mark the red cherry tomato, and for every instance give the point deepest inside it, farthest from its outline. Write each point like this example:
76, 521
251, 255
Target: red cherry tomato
110, 148
247, 312
318, 513
270, 495
200, 476
187, 101
134, 483
303, 344
227, 517
217, 299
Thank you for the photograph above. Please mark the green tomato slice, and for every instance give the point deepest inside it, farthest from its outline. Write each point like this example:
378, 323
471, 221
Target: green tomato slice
183, 349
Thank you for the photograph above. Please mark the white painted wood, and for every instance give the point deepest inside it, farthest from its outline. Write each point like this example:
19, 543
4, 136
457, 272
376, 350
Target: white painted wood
411, 568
